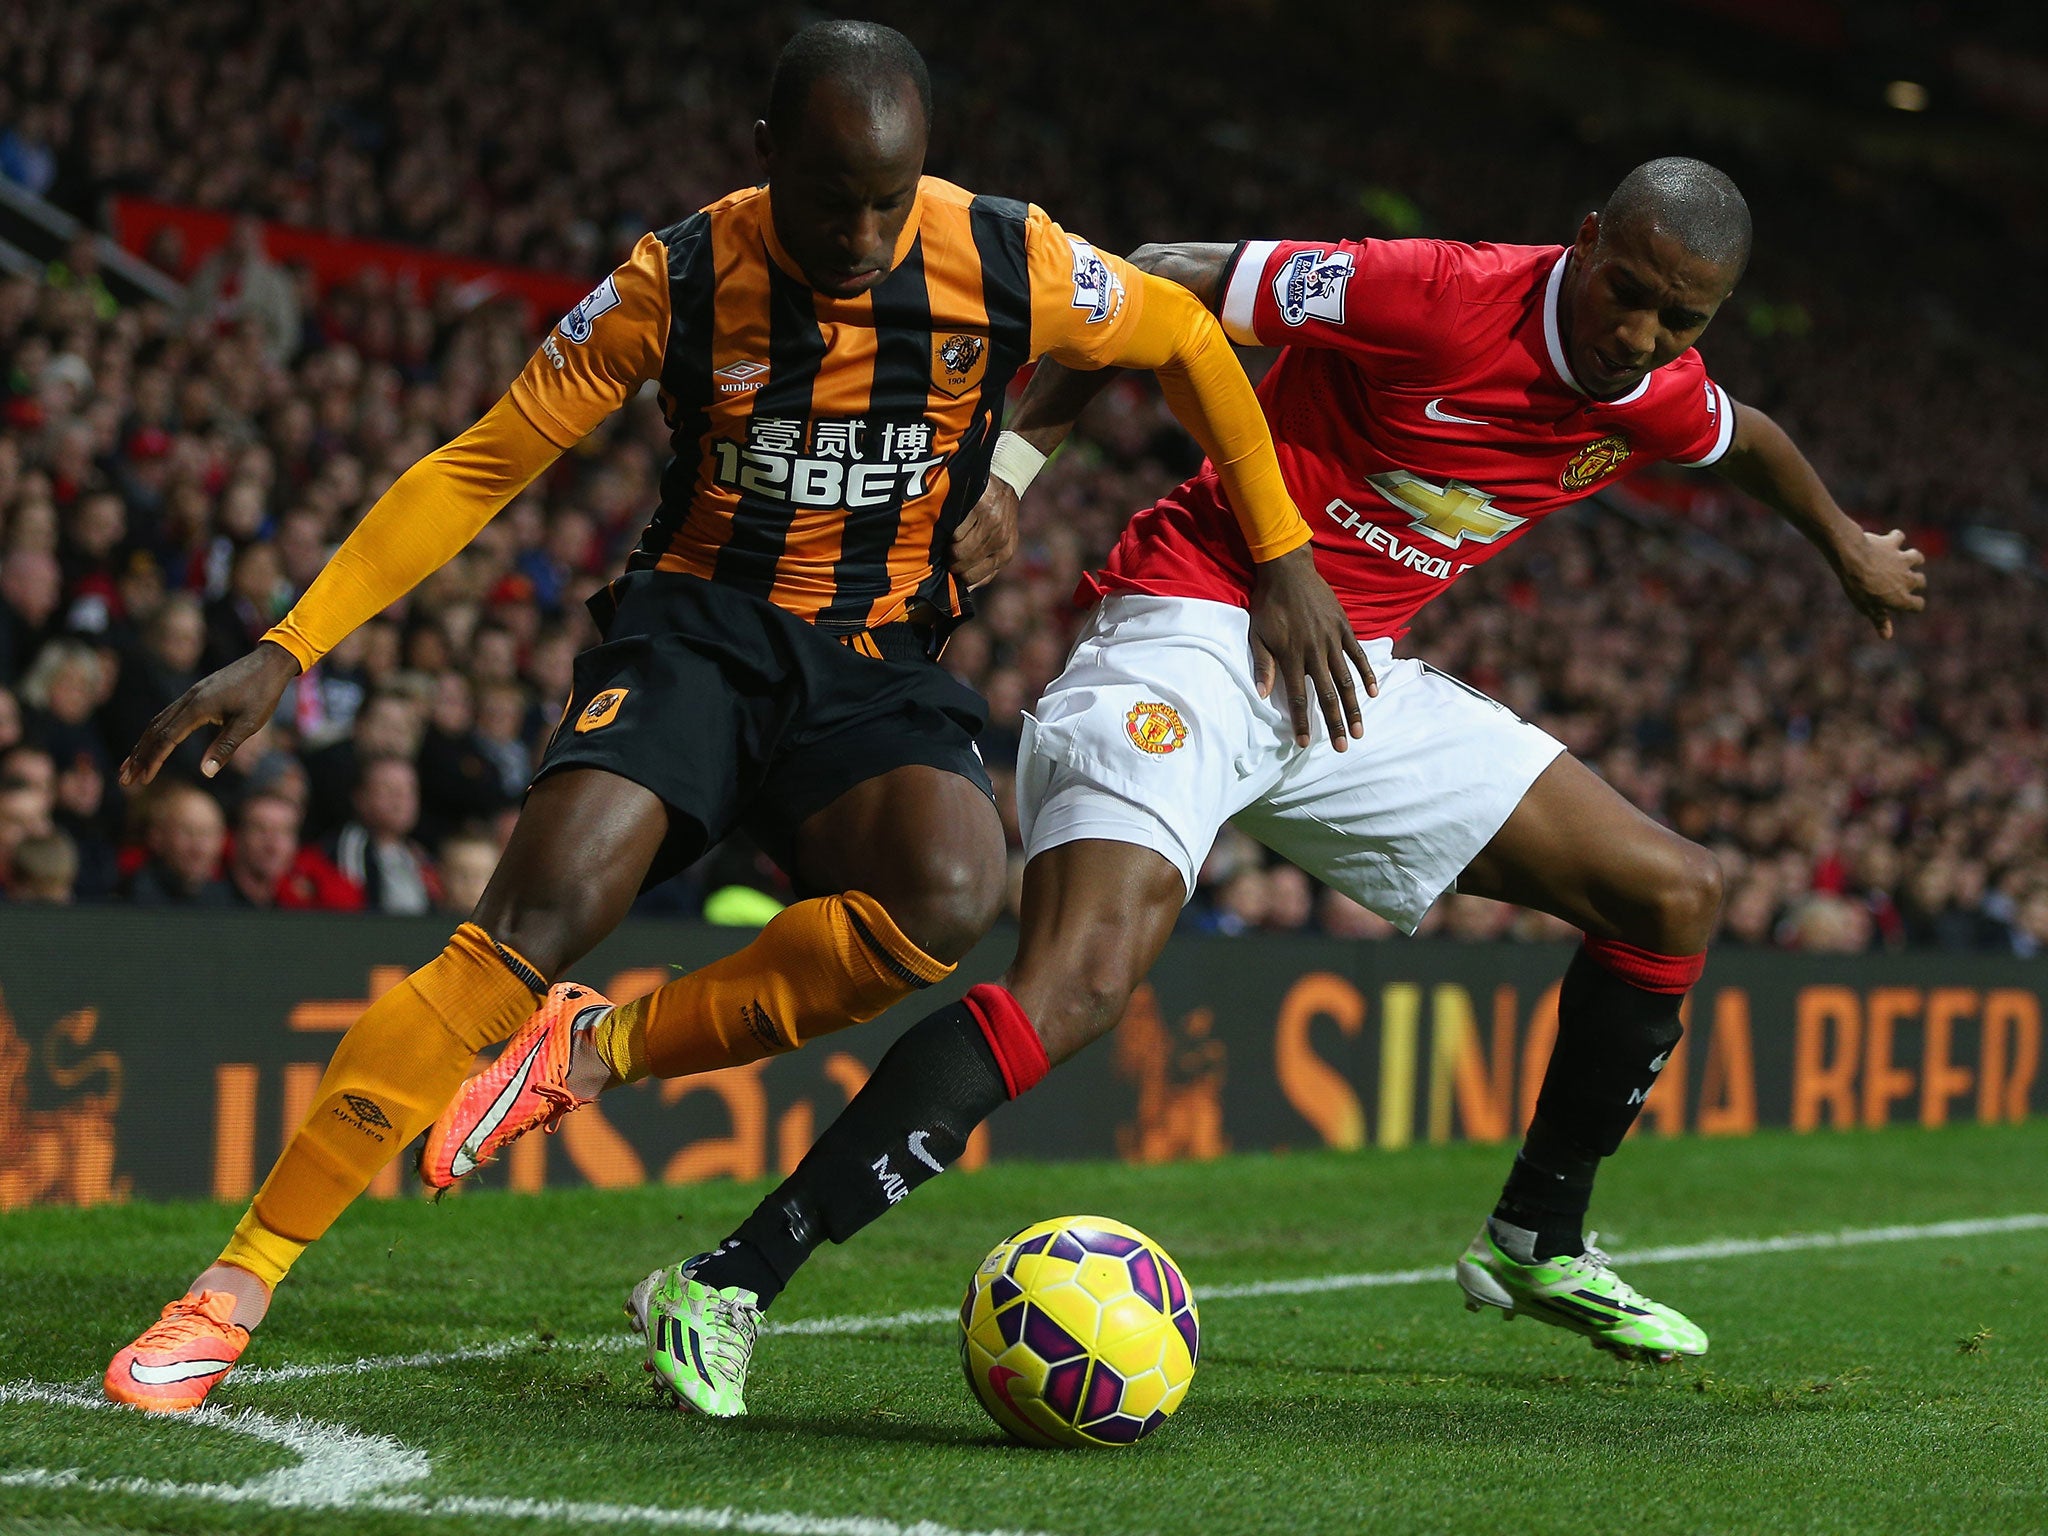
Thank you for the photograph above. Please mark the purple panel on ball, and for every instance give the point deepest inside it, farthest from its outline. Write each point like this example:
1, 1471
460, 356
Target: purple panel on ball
1176, 1288
1115, 1244
1118, 1428
1105, 1392
1036, 1244
1046, 1338
1062, 1392
967, 1309
1064, 1247
1145, 1280
1002, 1290
1010, 1323
1185, 1322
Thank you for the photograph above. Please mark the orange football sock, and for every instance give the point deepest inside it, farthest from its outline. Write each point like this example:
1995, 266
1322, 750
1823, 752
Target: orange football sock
393, 1072
816, 967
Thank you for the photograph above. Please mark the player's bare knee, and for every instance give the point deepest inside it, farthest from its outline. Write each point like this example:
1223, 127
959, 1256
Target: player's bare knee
1077, 997
550, 936
1688, 901
947, 900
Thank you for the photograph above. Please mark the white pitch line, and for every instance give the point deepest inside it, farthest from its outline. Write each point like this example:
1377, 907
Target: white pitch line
690, 1518
1725, 1248
345, 1469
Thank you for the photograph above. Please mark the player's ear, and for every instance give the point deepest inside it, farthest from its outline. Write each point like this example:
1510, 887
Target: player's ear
1589, 236
764, 146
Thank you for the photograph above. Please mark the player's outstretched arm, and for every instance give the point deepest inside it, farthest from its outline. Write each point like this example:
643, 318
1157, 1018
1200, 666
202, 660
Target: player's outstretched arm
1881, 572
419, 525
1054, 401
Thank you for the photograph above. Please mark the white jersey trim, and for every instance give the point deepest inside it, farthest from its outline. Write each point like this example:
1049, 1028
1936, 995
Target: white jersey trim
1241, 298
1720, 448
1554, 339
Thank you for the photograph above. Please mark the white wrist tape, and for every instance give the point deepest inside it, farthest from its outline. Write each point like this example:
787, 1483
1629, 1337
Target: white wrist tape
1016, 461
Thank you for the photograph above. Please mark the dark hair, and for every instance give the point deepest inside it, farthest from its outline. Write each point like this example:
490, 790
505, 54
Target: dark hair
1690, 201
864, 56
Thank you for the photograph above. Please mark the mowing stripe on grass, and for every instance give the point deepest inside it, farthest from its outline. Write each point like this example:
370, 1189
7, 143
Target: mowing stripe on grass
1726, 1248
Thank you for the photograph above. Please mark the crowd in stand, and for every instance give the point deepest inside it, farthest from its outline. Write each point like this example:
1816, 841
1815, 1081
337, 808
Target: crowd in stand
171, 477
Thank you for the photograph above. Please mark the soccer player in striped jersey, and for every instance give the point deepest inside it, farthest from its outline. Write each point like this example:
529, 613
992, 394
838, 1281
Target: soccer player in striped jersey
831, 351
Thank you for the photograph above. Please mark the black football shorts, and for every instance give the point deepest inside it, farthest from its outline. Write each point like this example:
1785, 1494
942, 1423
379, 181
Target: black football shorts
738, 714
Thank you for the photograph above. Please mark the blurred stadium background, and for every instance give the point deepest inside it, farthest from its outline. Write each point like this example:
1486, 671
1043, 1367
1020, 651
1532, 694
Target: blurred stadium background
259, 259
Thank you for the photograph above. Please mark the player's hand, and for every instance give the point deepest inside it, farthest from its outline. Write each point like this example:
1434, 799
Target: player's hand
987, 537
238, 698
1300, 637
1882, 575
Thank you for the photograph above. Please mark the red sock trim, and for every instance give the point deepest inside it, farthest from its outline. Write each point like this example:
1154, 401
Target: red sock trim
1646, 968
1007, 1028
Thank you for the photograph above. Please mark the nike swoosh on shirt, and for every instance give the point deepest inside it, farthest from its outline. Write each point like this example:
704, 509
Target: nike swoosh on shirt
1435, 412
177, 1370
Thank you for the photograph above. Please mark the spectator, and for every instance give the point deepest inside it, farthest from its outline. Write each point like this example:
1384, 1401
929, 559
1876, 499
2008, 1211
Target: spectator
187, 833
375, 850
460, 784
67, 684
389, 725
24, 814
467, 864
1290, 899
45, 870
89, 817
239, 282
153, 678
31, 587
267, 868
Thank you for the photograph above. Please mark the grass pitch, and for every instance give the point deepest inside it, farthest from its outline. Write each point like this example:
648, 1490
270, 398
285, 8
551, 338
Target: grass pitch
1898, 1385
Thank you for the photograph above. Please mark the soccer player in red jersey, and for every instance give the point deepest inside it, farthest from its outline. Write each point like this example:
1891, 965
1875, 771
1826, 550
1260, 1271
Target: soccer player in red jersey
1432, 402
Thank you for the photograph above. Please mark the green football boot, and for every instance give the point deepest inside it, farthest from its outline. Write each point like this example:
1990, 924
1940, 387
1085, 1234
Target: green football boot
1583, 1294
699, 1341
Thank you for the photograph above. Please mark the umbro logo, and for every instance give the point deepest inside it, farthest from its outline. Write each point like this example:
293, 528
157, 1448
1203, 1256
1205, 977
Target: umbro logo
364, 1114
762, 1027
737, 378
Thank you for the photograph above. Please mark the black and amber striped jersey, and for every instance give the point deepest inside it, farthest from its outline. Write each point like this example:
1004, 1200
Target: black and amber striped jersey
826, 448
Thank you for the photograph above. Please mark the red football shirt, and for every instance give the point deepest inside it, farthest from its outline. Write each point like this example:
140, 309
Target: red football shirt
1425, 415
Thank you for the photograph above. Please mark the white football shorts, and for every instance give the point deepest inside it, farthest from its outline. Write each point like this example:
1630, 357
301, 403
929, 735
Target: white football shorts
1155, 734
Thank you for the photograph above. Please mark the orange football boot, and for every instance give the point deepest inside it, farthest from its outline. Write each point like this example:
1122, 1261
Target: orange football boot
525, 1087
180, 1357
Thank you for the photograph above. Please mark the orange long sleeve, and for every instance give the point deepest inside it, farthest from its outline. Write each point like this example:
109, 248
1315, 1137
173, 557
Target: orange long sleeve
419, 525
1200, 376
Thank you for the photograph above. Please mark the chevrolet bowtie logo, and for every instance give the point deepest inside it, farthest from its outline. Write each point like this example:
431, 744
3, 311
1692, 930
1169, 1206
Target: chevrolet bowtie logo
1450, 513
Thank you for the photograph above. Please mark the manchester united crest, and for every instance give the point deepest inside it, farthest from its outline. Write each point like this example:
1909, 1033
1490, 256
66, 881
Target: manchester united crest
1155, 729
1595, 461
958, 362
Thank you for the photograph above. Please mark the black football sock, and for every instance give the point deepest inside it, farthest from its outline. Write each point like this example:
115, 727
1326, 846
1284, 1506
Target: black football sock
1617, 1024
910, 1121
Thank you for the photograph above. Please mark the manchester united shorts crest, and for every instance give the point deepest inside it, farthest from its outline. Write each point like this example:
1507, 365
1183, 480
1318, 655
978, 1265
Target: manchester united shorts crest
1155, 735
